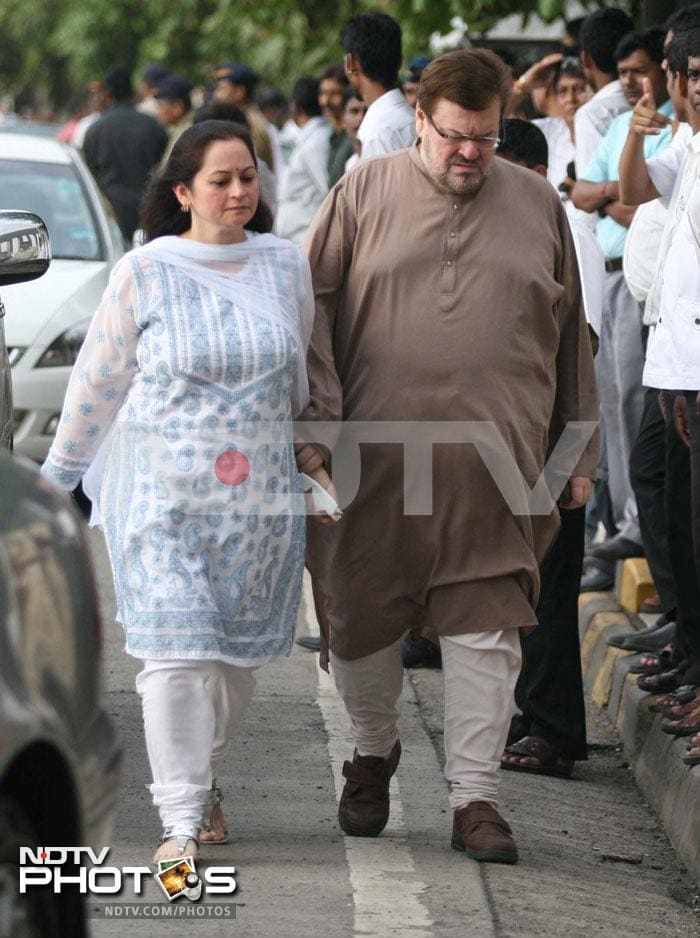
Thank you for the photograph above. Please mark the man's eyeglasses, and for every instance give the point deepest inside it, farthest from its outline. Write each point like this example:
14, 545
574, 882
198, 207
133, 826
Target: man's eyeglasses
483, 143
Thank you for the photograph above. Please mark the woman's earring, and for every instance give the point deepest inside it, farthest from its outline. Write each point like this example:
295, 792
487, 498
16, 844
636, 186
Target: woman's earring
184, 208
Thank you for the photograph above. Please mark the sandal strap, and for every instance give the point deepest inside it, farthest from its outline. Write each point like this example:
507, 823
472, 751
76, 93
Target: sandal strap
536, 748
214, 795
182, 833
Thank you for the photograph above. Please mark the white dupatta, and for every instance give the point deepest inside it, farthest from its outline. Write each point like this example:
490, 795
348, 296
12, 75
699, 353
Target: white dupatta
250, 283
265, 275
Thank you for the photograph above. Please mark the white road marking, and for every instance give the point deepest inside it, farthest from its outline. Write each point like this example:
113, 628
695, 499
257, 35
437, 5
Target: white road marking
385, 884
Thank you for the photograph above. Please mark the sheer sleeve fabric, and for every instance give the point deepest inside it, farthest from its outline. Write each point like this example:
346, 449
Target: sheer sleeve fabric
101, 376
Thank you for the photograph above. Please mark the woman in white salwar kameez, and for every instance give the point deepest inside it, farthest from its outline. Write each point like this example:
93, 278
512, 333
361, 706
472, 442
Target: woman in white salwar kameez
181, 405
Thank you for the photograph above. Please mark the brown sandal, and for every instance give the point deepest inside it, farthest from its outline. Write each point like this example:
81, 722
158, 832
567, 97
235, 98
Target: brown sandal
550, 758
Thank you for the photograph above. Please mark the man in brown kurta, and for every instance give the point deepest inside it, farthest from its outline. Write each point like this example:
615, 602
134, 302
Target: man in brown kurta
446, 290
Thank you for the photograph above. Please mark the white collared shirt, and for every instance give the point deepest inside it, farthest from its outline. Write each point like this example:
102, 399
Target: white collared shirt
673, 353
642, 246
305, 182
389, 124
560, 147
592, 120
591, 266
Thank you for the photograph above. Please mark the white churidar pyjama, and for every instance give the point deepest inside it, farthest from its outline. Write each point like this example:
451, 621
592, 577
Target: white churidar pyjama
190, 711
480, 670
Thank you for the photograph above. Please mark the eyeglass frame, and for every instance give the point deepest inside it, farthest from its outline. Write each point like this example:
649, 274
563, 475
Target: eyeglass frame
458, 139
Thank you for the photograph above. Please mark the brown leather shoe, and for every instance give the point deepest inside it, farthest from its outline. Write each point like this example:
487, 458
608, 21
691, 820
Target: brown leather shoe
479, 831
364, 803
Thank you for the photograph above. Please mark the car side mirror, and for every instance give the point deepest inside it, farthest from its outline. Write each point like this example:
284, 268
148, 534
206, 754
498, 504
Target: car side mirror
25, 247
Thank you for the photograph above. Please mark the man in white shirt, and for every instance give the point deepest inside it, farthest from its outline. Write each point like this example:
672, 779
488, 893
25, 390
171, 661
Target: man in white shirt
372, 46
648, 456
305, 181
673, 353
600, 34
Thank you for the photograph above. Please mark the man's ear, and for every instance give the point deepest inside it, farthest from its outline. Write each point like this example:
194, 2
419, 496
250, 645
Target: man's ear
586, 59
541, 169
421, 121
352, 66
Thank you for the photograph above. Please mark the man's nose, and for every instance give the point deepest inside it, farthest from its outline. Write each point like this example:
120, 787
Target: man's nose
469, 150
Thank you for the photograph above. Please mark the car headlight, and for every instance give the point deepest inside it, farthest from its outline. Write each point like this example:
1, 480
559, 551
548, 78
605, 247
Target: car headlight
64, 350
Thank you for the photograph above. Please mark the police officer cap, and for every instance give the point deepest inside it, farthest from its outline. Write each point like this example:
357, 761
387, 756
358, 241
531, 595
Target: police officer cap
174, 88
415, 67
236, 74
155, 72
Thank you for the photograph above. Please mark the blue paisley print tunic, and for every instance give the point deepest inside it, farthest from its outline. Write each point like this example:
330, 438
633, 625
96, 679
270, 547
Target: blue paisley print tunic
178, 384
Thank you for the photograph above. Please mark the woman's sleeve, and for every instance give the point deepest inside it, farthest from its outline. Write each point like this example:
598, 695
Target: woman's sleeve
98, 384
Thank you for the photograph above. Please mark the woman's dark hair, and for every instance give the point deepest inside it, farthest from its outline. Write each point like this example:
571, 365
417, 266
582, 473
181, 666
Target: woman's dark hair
160, 210
570, 67
220, 111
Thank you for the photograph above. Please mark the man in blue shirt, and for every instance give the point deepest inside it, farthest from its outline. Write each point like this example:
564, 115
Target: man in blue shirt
621, 357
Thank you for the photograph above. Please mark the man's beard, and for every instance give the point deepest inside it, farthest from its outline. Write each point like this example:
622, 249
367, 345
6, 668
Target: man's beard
461, 185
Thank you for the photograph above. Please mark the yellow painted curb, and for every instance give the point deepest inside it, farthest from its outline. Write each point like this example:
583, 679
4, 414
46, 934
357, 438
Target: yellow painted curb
636, 584
600, 692
599, 622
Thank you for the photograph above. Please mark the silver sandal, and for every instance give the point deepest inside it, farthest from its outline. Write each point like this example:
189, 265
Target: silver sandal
183, 834
214, 798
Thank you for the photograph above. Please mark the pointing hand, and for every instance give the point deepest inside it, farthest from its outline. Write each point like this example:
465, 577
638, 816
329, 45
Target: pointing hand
646, 120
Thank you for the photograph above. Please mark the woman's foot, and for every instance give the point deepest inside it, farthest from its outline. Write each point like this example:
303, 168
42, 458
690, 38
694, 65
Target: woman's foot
214, 829
178, 842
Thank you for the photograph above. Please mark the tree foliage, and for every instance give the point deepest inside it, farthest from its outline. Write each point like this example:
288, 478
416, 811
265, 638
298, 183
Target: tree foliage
54, 46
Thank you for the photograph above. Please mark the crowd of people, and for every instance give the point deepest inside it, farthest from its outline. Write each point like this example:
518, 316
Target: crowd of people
448, 247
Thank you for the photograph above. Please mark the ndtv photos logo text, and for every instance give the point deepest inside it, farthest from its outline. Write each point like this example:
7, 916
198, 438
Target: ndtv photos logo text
82, 867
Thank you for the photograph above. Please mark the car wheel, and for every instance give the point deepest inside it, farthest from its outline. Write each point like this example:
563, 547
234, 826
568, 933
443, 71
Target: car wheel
40, 912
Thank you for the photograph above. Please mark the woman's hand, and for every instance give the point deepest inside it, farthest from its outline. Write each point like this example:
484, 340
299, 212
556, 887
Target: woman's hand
324, 480
539, 75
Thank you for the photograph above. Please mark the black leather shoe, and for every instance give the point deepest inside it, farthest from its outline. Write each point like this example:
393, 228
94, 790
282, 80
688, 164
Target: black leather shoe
616, 548
618, 641
420, 653
597, 580
653, 642
312, 642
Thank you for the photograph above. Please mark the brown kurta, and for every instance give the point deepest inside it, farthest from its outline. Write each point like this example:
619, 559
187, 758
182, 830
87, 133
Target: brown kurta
433, 307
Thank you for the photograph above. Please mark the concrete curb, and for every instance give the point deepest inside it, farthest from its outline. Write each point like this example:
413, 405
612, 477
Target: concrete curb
671, 787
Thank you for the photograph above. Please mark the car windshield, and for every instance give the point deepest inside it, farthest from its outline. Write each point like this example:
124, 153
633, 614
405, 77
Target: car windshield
53, 192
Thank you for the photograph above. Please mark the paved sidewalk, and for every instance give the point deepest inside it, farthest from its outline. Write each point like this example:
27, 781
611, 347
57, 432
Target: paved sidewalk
671, 787
563, 884
299, 876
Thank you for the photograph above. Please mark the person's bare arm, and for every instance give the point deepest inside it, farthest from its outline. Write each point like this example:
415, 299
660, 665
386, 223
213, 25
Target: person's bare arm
635, 183
620, 212
539, 75
590, 196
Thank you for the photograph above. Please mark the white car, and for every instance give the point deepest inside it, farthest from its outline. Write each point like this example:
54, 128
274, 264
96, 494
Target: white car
46, 320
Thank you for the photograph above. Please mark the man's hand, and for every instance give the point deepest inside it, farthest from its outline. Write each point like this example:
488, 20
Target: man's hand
580, 490
680, 418
662, 404
646, 120
308, 458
